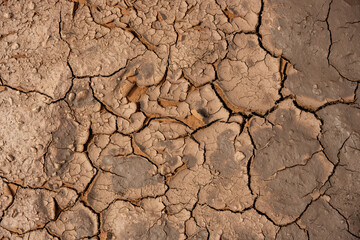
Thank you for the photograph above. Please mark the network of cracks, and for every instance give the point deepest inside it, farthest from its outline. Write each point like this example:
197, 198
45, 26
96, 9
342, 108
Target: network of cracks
184, 119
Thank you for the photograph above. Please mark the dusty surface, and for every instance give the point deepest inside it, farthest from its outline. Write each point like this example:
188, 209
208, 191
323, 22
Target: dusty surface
184, 119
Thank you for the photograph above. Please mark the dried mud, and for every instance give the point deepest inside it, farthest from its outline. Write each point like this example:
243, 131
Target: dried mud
184, 119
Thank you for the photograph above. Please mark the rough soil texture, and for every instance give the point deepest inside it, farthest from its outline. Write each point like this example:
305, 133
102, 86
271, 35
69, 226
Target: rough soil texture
182, 119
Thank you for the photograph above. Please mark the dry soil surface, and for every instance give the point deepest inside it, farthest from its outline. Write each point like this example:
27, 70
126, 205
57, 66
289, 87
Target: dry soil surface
180, 119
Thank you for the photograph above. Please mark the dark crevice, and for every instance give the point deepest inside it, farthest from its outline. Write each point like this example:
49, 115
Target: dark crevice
243, 123
251, 159
103, 106
266, 216
341, 101
304, 109
204, 127
75, 8
221, 100
331, 44
322, 146
249, 114
283, 74
346, 221
336, 164
341, 75
208, 233
228, 209
195, 204
105, 75
277, 233
297, 218
11, 203
330, 34
304, 229
308, 235
57, 209
67, 92
98, 216
87, 188
257, 31
50, 233
6, 180
356, 97
252, 140
258, 24
24, 91
89, 140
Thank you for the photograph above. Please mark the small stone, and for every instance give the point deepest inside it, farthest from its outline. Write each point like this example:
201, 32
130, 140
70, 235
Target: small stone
10, 158
239, 156
36, 109
71, 96
14, 46
326, 198
82, 94
31, 5
71, 147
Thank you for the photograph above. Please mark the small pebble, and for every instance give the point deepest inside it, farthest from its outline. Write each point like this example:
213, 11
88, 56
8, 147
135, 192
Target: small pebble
71, 96
10, 157
36, 109
31, 5
14, 46
239, 156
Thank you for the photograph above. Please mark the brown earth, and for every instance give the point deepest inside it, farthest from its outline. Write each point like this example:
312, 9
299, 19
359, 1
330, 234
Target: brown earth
183, 119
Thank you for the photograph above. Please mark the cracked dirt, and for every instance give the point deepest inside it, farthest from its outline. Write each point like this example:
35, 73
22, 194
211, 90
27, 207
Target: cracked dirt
183, 119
